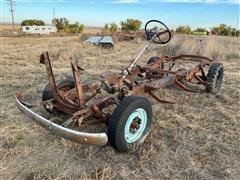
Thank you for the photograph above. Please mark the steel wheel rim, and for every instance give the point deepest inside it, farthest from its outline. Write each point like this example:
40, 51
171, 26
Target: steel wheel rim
132, 135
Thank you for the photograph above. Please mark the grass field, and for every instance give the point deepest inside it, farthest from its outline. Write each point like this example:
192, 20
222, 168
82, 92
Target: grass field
198, 138
8, 27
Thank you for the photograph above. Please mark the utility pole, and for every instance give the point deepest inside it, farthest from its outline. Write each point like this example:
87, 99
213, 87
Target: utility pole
54, 19
11, 3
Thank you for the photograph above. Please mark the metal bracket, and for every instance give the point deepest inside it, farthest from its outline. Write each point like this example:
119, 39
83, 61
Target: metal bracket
76, 73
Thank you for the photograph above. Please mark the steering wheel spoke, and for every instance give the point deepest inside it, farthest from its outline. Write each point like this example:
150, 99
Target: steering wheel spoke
160, 33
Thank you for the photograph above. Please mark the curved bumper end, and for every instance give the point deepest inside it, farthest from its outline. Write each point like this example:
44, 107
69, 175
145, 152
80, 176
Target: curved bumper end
73, 135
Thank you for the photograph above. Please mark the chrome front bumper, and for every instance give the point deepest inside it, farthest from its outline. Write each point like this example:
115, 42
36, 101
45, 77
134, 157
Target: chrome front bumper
76, 136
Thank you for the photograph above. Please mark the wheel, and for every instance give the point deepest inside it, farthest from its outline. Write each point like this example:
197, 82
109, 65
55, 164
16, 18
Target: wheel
68, 82
130, 123
214, 78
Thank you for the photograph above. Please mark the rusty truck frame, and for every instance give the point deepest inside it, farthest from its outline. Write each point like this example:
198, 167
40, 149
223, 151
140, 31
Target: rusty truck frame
130, 122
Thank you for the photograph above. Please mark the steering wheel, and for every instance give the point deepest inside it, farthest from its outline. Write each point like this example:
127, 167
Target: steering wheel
159, 30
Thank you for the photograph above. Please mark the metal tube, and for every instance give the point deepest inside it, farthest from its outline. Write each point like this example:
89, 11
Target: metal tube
137, 58
134, 62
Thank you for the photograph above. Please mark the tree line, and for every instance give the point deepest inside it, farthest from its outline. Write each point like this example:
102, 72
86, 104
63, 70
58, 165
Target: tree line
132, 25
127, 25
221, 29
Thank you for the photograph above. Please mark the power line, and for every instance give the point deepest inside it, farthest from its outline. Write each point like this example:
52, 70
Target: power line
11, 4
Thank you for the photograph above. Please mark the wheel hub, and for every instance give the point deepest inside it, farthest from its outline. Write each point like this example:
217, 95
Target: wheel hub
135, 125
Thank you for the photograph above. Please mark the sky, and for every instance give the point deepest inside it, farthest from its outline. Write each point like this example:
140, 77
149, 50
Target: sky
195, 13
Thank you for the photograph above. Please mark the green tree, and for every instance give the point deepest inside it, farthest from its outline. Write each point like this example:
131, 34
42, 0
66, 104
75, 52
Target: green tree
61, 23
105, 29
184, 30
222, 29
31, 22
131, 25
235, 32
113, 27
74, 28
81, 28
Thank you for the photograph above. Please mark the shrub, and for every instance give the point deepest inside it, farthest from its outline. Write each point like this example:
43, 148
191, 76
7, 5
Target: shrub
225, 30
131, 25
105, 29
184, 30
201, 30
113, 27
74, 28
81, 28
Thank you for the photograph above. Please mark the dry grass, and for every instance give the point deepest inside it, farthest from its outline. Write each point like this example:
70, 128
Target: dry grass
196, 139
92, 30
8, 27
